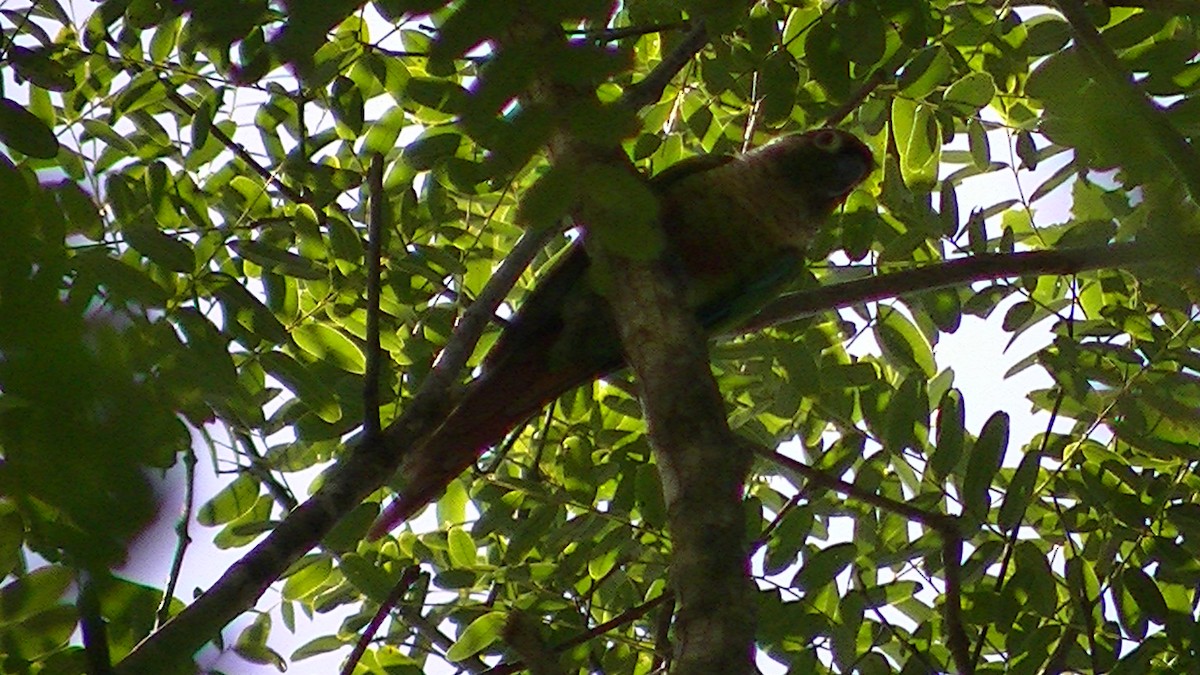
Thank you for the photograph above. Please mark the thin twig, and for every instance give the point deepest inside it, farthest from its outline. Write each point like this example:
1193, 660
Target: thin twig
478, 315
371, 425
240, 152
91, 622
942, 523
184, 539
956, 633
628, 616
428, 630
650, 89
614, 34
841, 112
521, 633
662, 634
407, 578
258, 468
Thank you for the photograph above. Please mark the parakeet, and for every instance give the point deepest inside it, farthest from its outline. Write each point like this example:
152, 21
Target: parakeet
737, 227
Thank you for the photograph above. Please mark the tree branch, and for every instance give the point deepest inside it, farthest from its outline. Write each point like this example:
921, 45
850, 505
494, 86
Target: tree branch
407, 578
650, 89
981, 267
628, 616
374, 355
349, 482
944, 524
703, 467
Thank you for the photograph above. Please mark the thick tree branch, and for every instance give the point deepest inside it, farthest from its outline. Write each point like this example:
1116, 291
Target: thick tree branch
703, 468
982, 267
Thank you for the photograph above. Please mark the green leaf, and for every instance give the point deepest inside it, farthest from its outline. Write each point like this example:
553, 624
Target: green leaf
160, 247
983, 465
384, 132
951, 434
318, 646
79, 210
12, 538
827, 58
125, 282
473, 22
305, 383
461, 548
1085, 587
822, 567
1020, 491
346, 103
549, 199
621, 212
276, 259
25, 132
202, 120
977, 140
969, 94
431, 149
777, 84
1046, 34
1132, 618
367, 577
452, 506
306, 575
482, 633
328, 344
907, 411
248, 311
42, 634
919, 141
33, 593
1145, 592
928, 69
233, 500
1018, 315
39, 67
864, 33
903, 343
251, 644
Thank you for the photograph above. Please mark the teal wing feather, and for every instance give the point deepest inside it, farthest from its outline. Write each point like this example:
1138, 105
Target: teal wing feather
727, 308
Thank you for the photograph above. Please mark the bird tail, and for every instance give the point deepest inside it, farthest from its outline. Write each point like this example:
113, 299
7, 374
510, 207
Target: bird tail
494, 404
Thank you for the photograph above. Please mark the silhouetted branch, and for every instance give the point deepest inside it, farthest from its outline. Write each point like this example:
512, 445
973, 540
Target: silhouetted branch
981, 267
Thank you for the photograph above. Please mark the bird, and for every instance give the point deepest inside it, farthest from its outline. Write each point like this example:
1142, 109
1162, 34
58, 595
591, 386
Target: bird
736, 228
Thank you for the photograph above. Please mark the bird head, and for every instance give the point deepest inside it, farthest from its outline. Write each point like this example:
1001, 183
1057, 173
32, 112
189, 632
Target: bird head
824, 164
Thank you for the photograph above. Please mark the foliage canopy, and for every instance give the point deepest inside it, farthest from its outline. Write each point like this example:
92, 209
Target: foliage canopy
183, 206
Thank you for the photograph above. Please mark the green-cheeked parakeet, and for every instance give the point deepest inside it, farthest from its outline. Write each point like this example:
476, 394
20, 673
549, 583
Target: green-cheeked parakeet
737, 227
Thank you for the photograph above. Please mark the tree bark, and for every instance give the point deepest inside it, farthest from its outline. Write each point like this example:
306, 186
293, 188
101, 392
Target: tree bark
703, 467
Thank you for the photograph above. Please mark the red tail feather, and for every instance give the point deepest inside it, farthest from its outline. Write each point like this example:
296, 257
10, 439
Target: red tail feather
495, 404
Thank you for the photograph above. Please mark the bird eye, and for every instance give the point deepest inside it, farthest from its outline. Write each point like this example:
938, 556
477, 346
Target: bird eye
827, 140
